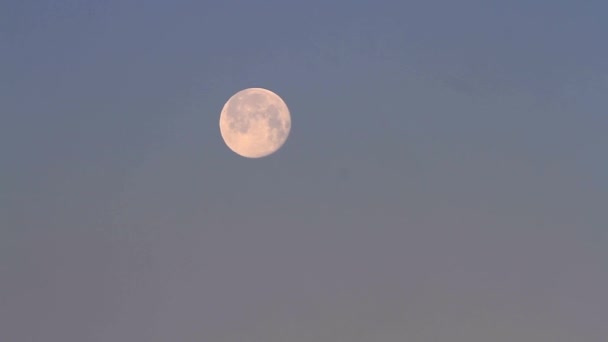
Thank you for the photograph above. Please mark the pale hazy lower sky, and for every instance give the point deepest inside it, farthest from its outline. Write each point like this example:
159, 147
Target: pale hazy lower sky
445, 178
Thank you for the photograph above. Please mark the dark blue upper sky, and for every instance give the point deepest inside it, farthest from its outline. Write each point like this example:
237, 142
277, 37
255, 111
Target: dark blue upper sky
444, 180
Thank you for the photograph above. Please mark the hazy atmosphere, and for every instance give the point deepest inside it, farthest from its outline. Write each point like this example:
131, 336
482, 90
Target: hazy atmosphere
445, 178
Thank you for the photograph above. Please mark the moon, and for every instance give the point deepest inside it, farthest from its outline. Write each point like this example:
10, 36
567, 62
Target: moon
255, 122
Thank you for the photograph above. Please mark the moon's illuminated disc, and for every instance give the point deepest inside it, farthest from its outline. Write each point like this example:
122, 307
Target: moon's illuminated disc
255, 122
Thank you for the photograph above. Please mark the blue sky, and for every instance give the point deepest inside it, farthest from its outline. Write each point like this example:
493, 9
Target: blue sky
444, 180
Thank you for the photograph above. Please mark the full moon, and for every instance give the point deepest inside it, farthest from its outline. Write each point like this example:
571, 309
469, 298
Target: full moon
255, 122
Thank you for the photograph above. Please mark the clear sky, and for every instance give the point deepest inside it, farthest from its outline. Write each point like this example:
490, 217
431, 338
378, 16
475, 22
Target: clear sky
445, 178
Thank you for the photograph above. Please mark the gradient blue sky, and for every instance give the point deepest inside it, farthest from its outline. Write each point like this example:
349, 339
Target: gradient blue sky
445, 178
